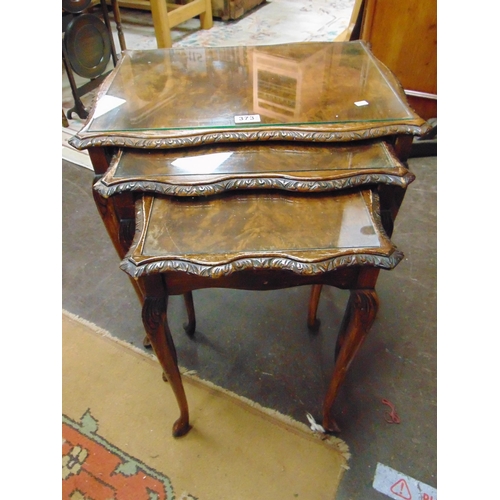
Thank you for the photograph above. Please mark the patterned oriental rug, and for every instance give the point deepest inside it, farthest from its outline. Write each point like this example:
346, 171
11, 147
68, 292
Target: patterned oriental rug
117, 442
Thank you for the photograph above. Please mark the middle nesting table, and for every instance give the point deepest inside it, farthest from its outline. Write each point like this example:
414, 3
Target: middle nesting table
257, 217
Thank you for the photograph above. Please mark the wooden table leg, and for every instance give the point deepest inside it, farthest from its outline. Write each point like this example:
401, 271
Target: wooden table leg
114, 224
190, 326
359, 316
402, 147
312, 321
154, 318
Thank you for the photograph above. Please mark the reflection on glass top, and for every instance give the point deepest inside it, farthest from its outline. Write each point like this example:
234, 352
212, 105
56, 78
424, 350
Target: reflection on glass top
233, 87
263, 223
207, 170
311, 162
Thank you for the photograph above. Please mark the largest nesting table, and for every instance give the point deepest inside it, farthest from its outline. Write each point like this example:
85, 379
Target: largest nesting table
252, 168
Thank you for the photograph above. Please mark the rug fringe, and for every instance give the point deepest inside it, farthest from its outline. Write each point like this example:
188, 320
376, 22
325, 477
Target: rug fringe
333, 441
336, 442
105, 333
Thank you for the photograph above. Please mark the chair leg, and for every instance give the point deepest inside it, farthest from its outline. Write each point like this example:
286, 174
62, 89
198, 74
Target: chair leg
206, 18
65, 122
159, 13
312, 321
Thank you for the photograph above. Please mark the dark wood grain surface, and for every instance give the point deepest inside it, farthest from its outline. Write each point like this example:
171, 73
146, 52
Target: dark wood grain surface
285, 166
314, 92
306, 234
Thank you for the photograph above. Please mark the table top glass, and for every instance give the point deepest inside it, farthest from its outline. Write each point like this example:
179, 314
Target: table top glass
258, 223
185, 92
292, 167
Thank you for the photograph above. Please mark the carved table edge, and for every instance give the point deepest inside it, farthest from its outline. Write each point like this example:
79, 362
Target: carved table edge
229, 184
136, 270
202, 137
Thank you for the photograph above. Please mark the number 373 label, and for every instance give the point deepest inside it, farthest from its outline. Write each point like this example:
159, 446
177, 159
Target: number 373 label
247, 119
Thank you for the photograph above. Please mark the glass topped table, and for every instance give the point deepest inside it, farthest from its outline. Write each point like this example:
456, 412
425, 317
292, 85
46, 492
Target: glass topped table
315, 92
210, 170
253, 168
215, 236
258, 240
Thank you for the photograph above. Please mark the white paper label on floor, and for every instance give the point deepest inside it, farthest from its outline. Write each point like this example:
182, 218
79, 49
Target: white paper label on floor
395, 485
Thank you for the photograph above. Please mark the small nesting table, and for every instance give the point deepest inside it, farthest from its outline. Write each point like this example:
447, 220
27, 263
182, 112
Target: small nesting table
291, 175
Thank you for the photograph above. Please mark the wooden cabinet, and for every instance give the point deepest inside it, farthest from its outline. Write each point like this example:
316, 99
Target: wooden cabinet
403, 35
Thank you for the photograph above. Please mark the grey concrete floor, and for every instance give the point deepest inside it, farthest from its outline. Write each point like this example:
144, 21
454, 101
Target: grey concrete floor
257, 345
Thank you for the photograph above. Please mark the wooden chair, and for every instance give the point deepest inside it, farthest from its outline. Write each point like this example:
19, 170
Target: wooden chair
167, 15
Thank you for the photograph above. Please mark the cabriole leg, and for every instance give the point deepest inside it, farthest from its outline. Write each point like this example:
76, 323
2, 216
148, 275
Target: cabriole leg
312, 321
190, 326
360, 313
154, 317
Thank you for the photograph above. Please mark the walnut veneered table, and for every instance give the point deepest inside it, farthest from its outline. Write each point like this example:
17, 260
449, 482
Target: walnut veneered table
252, 168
